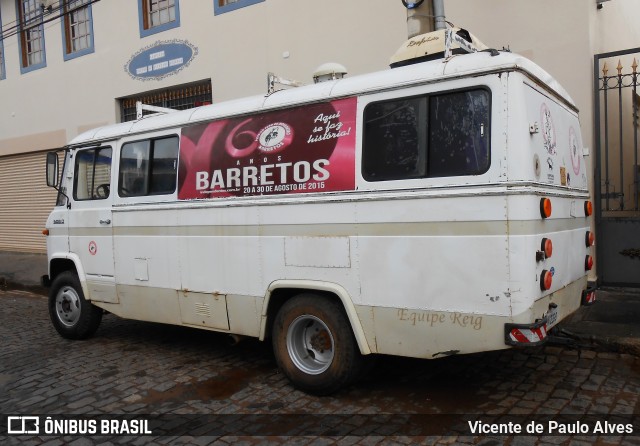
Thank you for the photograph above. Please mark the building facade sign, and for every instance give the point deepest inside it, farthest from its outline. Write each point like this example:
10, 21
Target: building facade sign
162, 59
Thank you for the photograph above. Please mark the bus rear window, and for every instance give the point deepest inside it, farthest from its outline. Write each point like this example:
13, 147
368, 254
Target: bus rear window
427, 136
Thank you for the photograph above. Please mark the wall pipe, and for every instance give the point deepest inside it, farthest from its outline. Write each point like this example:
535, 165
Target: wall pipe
438, 12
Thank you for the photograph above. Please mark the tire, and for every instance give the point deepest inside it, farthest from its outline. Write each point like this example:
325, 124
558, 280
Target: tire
314, 345
72, 315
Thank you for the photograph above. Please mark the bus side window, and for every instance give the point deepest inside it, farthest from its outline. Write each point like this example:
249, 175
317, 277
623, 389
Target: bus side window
427, 136
164, 166
459, 133
394, 139
148, 167
92, 174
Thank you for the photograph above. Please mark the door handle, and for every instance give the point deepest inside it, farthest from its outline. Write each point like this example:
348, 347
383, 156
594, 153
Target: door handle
105, 222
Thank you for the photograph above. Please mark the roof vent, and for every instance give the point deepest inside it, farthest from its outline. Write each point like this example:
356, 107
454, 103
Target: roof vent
328, 72
436, 45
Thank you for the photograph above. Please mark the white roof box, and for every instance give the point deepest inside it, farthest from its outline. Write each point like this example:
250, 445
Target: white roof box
436, 45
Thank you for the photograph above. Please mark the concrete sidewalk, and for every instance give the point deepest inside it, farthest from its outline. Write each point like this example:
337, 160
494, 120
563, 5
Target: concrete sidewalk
22, 271
612, 323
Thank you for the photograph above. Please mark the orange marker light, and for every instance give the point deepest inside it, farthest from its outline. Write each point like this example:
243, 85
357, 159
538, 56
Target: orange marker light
588, 208
546, 278
547, 247
588, 263
590, 239
545, 207
45, 232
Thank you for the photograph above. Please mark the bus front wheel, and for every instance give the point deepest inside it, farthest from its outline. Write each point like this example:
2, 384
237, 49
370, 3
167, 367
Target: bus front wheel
314, 345
72, 315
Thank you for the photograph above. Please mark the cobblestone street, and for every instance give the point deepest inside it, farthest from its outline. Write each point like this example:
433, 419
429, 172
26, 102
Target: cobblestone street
133, 368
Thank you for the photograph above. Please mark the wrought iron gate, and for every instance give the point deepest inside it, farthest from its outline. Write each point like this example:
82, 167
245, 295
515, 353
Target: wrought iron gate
617, 172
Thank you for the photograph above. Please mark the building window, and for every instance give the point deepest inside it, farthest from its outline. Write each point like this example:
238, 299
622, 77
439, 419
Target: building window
2, 70
77, 28
180, 98
158, 15
439, 135
3, 73
32, 51
222, 6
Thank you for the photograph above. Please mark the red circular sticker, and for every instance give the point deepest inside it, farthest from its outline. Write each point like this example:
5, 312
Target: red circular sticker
93, 248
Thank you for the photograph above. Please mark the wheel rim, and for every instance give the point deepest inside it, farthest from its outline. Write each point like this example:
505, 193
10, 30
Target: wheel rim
68, 306
310, 344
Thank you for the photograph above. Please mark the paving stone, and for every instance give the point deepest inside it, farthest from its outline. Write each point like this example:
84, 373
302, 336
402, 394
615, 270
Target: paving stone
588, 354
536, 396
54, 442
523, 440
81, 442
139, 368
555, 403
82, 402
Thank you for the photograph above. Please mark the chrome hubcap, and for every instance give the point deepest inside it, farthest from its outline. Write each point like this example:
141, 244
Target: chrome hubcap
310, 344
68, 306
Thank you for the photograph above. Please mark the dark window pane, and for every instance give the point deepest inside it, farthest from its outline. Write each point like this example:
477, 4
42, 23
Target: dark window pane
164, 166
92, 174
459, 133
394, 139
396, 145
134, 161
149, 167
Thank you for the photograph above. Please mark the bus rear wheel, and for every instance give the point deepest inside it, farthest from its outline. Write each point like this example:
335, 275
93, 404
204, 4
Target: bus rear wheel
72, 315
314, 345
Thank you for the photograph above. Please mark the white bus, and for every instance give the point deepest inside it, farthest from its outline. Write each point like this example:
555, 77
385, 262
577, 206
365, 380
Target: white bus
433, 209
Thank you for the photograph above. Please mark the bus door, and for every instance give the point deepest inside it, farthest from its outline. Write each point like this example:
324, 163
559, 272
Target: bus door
90, 220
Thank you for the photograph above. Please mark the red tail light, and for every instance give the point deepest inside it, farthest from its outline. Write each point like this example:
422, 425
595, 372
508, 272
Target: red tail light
588, 208
590, 239
547, 247
546, 278
588, 263
545, 207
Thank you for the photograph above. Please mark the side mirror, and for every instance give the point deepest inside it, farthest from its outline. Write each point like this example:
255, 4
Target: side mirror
52, 169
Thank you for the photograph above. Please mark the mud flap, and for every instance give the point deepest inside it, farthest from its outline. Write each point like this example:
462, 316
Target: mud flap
588, 296
526, 335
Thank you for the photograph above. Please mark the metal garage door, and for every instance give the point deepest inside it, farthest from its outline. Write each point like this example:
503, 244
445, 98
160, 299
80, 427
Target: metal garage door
25, 202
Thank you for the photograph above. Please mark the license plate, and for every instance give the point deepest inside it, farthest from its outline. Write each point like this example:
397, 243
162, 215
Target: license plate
552, 317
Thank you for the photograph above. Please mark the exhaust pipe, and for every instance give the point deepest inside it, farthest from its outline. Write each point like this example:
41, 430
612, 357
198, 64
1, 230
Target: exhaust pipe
235, 339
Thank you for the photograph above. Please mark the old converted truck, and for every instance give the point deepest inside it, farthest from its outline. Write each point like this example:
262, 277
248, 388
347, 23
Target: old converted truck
434, 209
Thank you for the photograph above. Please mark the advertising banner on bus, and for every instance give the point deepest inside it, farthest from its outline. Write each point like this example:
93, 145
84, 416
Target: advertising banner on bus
305, 149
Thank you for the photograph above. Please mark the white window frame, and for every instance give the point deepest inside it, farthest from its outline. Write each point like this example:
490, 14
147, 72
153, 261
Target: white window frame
223, 6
